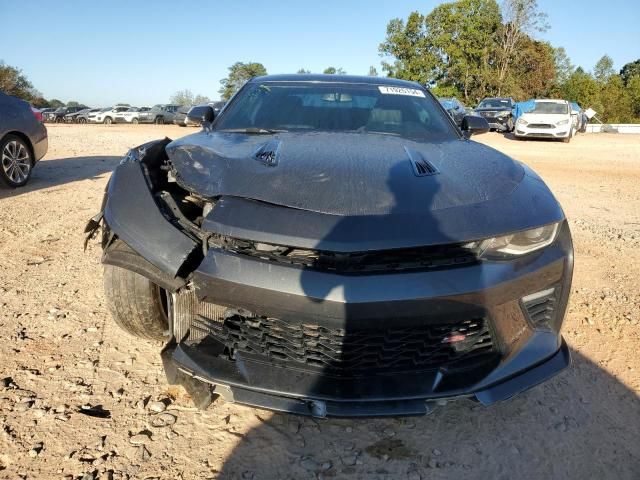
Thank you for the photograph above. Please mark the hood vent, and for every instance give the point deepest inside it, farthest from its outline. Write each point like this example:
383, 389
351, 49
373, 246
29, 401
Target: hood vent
268, 153
421, 166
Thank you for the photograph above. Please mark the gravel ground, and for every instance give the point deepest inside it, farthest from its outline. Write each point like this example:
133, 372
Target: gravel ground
80, 399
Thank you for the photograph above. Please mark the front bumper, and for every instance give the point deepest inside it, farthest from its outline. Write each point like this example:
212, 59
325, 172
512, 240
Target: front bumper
184, 365
557, 132
526, 353
498, 123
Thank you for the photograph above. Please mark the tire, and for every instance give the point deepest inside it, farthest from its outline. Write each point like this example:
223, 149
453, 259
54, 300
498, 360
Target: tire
59, 120
82, 121
107, 120
135, 121
567, 140
137, 305
16, 161
510, 126
159, 121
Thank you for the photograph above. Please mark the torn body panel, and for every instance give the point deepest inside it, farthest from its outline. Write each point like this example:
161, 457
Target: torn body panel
132, 213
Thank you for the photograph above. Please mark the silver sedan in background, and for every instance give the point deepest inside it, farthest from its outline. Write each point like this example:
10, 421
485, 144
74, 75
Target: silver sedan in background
23, 140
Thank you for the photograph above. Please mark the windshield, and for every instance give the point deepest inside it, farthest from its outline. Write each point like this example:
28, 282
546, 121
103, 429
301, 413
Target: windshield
495, 103
551, 108
335, 107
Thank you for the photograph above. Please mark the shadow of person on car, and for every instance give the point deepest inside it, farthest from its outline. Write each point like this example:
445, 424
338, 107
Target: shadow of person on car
374, 329
582, 423
60, 171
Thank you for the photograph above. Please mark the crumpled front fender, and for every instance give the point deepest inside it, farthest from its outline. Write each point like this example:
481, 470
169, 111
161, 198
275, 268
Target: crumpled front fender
131, 212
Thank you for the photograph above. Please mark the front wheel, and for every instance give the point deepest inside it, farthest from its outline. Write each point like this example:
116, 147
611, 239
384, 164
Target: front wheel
108, 121
16, 162
137, 305
82, 121
134, 121
159, 121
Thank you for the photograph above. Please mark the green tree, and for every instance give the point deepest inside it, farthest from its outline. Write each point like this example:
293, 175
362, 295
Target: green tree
617, 104
533, 76
445, 91
334, 71
407, 49
633, 89
520, 18
182, 97
603, 69
454, 45
373, 71
55, 103
582, 88
14, 82
201, 99
630, 70
239, 74
302, 71
563, 65
73, 103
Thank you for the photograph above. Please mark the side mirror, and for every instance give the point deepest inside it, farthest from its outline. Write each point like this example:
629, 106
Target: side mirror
201, 114
474, 125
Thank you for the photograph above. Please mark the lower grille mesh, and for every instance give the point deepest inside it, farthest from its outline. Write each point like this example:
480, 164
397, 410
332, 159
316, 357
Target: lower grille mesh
351, 352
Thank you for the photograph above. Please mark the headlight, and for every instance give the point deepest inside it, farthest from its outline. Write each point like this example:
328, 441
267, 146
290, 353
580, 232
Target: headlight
519, 243
562, 122
504, 114
522, 121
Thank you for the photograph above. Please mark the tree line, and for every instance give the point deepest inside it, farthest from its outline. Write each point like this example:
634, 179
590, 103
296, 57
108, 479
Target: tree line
470, 49
474, 49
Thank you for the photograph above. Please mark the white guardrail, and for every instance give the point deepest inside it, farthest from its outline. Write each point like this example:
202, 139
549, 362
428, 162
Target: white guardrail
613, 128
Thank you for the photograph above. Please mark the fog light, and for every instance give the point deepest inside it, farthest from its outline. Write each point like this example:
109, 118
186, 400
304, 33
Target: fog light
541, 308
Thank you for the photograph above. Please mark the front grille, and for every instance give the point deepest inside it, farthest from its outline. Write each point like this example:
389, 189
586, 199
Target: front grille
356, 262
541, 125
352, 353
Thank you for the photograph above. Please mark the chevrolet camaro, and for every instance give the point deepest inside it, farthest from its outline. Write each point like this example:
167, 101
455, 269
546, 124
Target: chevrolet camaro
337, 246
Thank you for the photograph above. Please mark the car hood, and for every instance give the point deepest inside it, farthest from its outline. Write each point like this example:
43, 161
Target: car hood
343, 174
544, 117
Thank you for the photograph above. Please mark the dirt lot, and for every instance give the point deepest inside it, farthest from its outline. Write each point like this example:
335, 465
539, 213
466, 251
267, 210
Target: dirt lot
61, 351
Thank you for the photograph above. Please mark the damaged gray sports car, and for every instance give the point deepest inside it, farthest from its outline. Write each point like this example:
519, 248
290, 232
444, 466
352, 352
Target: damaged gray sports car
336, 246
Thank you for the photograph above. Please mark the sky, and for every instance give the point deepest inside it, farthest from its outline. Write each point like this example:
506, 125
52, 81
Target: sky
102, 53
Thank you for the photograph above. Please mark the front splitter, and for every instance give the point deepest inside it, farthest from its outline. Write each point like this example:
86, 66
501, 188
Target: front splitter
181, 369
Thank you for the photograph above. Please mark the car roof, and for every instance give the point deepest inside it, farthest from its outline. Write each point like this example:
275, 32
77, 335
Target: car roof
550, 100
317, 77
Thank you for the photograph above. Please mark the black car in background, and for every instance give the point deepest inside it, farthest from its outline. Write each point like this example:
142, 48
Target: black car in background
80, 116
23, 140
180, 118
57, 116
455, 108
498, 112
334, 245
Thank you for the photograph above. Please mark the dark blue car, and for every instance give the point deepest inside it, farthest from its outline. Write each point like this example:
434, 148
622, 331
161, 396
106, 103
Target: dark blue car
335, 245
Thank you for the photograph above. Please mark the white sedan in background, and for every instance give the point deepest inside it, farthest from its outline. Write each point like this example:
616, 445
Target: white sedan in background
131, 115
548, 119
107, 115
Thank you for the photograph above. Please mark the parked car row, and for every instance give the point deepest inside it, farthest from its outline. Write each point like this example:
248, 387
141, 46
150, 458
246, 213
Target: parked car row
541, 118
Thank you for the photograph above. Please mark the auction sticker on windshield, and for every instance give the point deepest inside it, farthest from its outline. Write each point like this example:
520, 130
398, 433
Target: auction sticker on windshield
412, 92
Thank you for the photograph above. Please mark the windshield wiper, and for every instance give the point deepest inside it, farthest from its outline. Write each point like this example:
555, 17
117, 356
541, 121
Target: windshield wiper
252, 130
